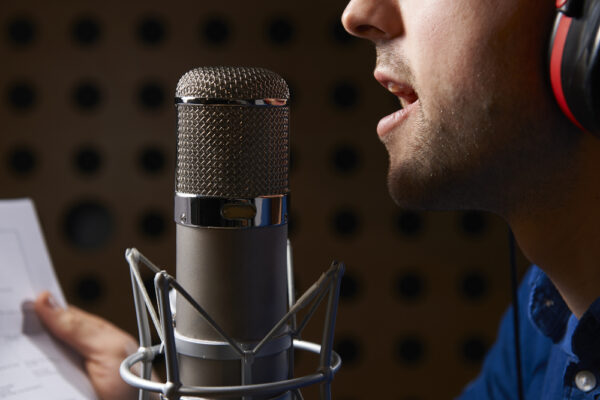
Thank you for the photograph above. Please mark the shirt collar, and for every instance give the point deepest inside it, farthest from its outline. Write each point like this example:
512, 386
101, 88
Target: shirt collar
550, 314
547, 310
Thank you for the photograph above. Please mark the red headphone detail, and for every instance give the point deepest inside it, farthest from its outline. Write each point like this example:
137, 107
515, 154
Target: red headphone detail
574, 62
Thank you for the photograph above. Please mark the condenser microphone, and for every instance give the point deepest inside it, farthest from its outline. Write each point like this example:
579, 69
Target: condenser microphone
231, 197
227, 325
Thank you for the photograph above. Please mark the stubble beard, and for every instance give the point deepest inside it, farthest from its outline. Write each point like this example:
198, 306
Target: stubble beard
485, 156
424, 170
435, 156
451, 161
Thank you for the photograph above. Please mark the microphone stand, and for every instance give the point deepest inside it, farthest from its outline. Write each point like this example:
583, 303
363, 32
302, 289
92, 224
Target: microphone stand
173, 389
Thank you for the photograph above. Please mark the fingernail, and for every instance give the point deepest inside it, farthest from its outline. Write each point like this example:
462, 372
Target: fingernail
51, 302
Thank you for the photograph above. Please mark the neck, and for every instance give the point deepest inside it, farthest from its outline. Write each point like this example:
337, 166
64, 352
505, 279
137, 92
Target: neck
563, 235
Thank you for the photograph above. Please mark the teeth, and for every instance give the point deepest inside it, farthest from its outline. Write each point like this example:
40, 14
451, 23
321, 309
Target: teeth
393, 87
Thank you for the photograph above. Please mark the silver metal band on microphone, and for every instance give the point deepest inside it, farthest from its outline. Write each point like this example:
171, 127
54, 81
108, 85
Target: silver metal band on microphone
236, 102
200, 211
213, 350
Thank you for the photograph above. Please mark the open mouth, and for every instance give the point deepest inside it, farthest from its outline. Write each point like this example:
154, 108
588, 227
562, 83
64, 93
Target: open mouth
407, 97
405, 94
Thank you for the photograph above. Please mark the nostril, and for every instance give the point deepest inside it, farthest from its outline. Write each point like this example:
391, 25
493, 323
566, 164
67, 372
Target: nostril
368, 31
362, 29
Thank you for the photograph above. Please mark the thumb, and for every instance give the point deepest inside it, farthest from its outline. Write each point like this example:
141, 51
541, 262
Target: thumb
84, 332
102, 345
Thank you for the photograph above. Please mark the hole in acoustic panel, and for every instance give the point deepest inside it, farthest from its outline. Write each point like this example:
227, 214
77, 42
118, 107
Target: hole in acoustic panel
152, 160
152, 224
215, 30
473, 223
88, 225
87, 160
152, 30
346, 223
21, 95
345, 158
280, 31
474, 285
410, 286
151, 95
21, 31
22, 160
473, 349
349, 349
410, 350
344, 95
86, 31
87, 96
409, 223
350, 287
89, 289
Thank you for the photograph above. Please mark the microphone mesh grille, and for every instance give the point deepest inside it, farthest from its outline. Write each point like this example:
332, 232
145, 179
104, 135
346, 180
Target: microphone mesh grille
232, 151
232, 83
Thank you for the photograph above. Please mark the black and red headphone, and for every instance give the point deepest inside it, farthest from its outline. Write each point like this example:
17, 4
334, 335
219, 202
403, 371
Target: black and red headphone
575, 62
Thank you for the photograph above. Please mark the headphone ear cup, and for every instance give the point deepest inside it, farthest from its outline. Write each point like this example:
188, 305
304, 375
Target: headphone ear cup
574, 61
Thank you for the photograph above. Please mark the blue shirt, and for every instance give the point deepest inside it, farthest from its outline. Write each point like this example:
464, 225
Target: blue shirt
560, 355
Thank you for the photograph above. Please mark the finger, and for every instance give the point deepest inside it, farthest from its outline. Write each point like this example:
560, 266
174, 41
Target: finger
100, 343
78, 328
64, 323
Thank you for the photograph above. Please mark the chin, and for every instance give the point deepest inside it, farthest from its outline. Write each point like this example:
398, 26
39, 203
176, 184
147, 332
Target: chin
419, 188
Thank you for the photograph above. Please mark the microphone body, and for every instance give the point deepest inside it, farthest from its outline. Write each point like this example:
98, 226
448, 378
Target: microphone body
237, 276
231, 197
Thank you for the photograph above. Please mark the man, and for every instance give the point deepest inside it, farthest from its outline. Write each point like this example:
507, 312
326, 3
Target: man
480, 129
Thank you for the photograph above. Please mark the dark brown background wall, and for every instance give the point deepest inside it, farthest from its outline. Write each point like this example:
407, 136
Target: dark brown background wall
87, 131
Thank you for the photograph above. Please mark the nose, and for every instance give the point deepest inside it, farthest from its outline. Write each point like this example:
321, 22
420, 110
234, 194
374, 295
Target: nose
373, 19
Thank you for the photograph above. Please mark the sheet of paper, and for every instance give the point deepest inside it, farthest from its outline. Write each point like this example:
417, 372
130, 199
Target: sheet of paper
33, 365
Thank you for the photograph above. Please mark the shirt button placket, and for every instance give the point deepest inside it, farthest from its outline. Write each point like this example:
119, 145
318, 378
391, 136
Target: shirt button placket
585, 381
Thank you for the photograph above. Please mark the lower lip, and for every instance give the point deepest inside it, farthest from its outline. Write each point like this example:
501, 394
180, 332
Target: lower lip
389, 122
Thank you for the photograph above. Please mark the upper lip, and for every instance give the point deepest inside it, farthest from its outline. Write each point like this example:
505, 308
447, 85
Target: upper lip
401, 89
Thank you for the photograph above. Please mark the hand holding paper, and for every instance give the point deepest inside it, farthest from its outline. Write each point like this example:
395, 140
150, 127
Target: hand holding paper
102, 345
33, 365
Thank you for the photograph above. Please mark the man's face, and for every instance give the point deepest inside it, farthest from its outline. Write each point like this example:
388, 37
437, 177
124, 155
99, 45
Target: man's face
478, 115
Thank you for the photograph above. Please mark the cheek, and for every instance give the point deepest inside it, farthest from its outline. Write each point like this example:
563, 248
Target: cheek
469, 49
448, 60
